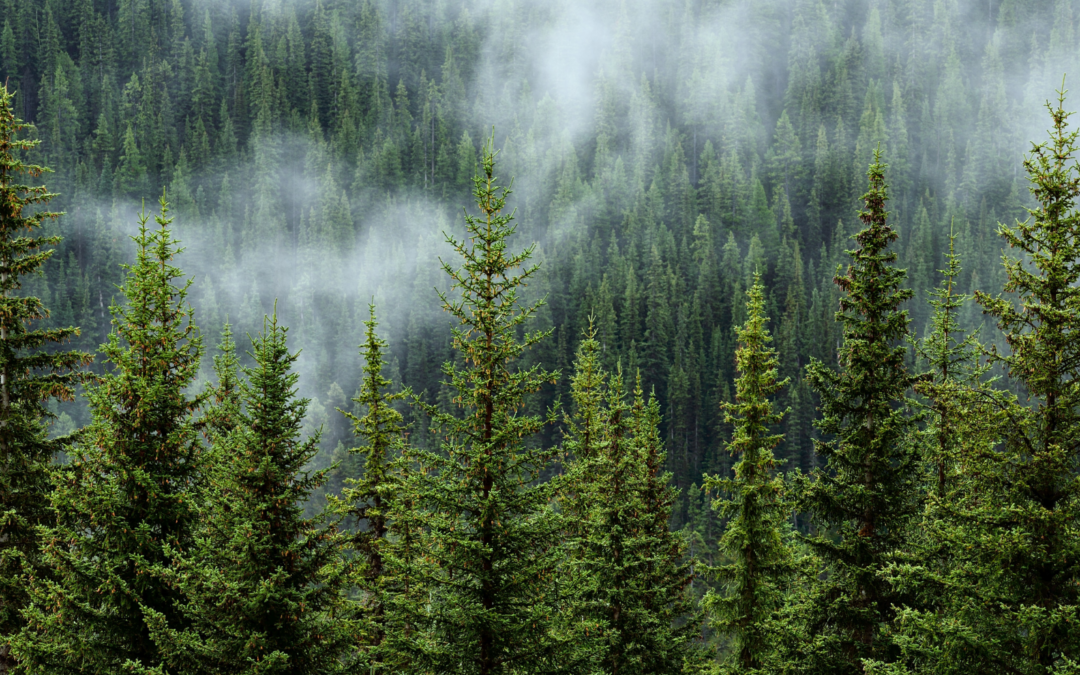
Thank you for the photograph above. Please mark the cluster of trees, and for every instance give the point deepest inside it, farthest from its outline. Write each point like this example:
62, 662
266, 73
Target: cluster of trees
943, 516
713, 138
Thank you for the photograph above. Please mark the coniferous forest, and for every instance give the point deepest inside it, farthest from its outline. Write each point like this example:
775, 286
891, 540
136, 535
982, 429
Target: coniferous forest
539, 337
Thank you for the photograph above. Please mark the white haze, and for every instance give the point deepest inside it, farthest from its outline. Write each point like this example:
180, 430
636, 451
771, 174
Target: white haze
570, 51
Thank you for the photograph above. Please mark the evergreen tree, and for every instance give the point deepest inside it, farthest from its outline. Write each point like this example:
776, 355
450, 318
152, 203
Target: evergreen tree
223, 413
1031, 490
998, 592
29, 376
126, 502
864, 499
628, 568
756, 506
369, 500
260, 584
491, 529
952, 355
942, 580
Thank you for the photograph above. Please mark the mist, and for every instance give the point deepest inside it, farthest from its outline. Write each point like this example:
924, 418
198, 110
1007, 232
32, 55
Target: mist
315, 154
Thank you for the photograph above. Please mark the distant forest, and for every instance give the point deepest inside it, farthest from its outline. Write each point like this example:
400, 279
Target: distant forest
510, 336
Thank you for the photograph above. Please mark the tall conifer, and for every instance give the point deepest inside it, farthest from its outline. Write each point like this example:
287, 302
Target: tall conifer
863, 500
29, 376
260, 583
372, 500
628, 567
1031, 490
999, 590
938, 630
756, 505
491, 529
127, 498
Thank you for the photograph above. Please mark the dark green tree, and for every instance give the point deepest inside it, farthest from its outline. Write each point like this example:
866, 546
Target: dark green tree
223, 413
939, 630
952, 355
369, 500
261, 585
998, 593
1031, 489
755, 504
29, 376
126, 502
491, 529
628, 568
863, 501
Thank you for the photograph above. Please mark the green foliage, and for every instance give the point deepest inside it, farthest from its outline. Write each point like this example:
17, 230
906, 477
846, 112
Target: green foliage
1022, 524
628, 570
371, 502
318, 147
491, 534
756, 506
936, 632
864, 499
260, 585
30, 374
127, 501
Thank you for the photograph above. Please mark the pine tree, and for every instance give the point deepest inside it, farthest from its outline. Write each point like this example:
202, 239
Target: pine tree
864, 499
1033, 600
223, 414
952, 355
938, 631
756, 506
669, 620
491, 529
629, 574
29, 376
260, 584
369, 501
999, 591
127, 498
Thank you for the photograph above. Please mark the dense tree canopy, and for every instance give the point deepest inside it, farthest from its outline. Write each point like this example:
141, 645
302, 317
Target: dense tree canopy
690, 285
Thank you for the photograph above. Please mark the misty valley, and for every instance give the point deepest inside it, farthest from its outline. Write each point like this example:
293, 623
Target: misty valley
536, 337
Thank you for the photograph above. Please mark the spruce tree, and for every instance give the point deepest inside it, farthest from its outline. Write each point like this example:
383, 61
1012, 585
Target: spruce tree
667, 616
1030, 489
223, 412
491, 531
756, 505
628, 570
127, 500
370, 500
954, 381
939, 629
29, 376
999, 593
260, 584
862, 502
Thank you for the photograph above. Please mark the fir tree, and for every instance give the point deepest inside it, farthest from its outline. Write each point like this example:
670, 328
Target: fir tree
628, 569
126, 502
667, 616
29, 376
952, 354
585, 430
491, 530
223, 414
370, 499
756, 505
260, 583
1030, 489
941, 581
864, 499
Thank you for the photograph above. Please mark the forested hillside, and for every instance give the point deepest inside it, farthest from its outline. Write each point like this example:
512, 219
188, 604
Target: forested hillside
662, 152
805, 383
